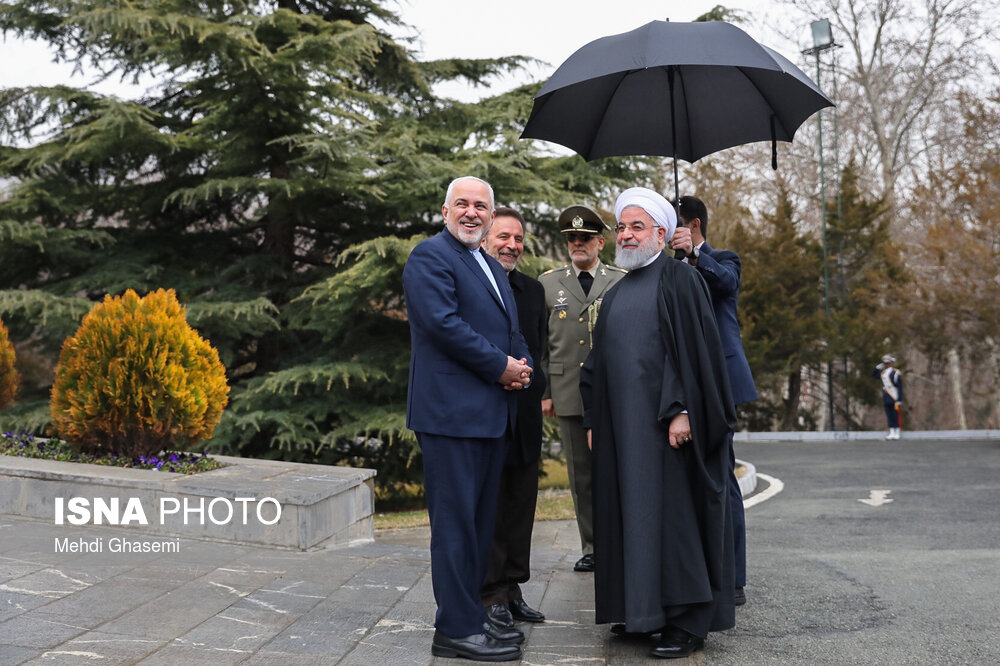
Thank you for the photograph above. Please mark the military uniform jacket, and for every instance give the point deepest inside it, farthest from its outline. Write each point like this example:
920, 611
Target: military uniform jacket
569, 331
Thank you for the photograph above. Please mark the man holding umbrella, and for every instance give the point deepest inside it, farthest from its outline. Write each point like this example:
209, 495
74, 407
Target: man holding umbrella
721, 270
656, 395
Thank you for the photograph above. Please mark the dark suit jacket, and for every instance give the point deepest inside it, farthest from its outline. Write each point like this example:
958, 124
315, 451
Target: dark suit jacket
721, 270
460, 337
531, 311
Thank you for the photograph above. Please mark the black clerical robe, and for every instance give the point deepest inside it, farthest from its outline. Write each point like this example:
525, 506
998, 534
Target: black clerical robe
662, 530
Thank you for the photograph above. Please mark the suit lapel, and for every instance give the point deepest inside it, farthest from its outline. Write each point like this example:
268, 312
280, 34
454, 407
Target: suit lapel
466, 257
601, 281
571, 283
516, 280
503, 284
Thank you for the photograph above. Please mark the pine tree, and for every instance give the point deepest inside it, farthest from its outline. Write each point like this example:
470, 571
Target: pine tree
868, 288
780, 312
274, 177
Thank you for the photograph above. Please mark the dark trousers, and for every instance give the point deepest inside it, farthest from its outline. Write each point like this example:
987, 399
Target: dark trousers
461, 479
510, 557
739, 519
891, 415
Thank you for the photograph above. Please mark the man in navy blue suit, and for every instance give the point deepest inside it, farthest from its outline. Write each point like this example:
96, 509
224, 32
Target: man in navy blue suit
467, 358
721, 270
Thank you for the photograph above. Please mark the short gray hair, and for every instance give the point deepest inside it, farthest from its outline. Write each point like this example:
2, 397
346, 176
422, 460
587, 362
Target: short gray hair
451, 188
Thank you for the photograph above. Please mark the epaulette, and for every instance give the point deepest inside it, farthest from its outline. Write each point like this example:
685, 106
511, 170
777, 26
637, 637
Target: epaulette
552, 270
615, 268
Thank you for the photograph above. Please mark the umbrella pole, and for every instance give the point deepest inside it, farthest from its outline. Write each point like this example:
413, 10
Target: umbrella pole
673, 134
678, 254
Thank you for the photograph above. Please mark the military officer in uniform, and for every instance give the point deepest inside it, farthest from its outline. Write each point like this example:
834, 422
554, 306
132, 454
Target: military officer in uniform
572, 296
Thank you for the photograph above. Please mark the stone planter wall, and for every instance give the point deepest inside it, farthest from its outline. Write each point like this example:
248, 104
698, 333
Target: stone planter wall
321, 505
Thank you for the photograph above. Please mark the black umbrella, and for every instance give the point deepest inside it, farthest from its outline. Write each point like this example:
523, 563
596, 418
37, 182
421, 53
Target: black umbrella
681, 90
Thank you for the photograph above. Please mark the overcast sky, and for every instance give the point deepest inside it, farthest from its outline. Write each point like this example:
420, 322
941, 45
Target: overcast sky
549, 30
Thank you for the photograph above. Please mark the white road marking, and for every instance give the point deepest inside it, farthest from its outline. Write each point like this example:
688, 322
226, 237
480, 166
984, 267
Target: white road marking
774, 486
877, 498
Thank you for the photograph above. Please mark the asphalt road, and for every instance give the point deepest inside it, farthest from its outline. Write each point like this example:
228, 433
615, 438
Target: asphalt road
833, 580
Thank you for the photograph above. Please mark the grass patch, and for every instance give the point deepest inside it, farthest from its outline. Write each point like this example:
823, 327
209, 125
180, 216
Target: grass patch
177, 462
554, 476
395, 520
555, 505
554, 501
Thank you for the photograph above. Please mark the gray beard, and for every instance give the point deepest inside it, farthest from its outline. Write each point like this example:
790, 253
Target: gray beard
631, 259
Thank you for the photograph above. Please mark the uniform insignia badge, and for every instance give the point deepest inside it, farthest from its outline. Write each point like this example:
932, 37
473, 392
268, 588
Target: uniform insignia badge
562, 292
562, 314
577, 222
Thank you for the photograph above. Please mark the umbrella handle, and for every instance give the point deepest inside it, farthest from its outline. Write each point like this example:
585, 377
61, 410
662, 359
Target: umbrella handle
679, 254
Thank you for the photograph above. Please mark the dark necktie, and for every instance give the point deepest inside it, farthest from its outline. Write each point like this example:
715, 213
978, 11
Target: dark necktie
586, 279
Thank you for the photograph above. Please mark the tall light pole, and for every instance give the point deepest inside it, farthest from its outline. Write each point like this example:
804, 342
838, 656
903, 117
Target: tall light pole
822, 35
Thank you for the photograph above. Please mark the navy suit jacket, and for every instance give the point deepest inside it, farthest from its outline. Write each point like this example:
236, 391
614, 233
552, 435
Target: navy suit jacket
721, 270
460, 337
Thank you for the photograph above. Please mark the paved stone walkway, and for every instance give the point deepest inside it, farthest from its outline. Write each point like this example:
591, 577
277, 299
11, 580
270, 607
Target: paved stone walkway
215, 603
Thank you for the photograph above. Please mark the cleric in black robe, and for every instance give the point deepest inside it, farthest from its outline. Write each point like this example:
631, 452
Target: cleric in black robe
657, 397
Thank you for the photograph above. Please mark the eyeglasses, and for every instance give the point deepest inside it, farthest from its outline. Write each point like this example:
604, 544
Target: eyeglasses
582, 238
634, 227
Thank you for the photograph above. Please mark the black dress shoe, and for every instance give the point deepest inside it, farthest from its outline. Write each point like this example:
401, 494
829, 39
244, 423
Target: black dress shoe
739, 597
477, 647
676, 643
585, 563
502, 634
522, 612
500, 616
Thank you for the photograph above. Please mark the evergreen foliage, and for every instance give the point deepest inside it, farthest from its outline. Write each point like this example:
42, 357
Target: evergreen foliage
275, 176
9, 376
136, 379
780, 313
868, 293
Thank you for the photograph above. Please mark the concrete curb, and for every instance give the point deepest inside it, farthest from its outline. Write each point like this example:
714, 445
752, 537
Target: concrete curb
748, 482
861, 435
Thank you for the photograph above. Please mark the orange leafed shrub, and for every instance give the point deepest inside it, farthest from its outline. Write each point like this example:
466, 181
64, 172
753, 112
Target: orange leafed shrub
9, 377
136, 379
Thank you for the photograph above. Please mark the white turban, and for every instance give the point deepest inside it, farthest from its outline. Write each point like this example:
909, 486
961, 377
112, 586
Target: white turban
653, 203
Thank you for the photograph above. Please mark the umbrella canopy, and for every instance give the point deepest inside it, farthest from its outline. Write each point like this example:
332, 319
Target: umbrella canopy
681, 90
